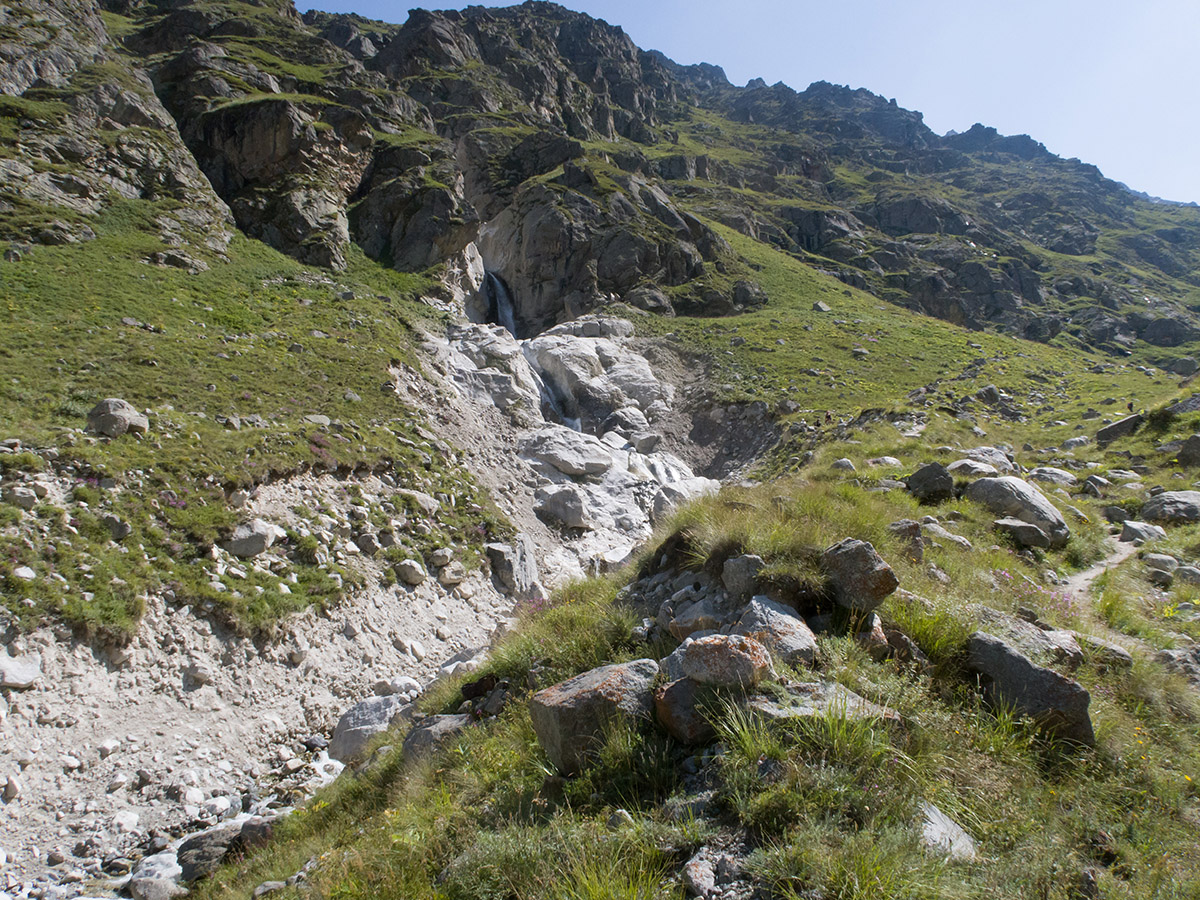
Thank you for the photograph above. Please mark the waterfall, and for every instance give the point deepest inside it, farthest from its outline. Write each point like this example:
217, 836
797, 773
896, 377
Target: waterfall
500, 305
550, 400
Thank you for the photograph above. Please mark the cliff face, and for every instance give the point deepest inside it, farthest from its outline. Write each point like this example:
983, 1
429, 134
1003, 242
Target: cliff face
579, 167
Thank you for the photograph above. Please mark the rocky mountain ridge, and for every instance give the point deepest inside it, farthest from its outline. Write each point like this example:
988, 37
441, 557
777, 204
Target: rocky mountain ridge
482, 130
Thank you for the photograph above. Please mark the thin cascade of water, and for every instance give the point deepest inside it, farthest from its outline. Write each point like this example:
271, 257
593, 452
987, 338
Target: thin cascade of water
500, 305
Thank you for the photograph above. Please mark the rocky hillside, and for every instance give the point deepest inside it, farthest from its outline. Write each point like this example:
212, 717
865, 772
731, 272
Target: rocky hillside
486, 378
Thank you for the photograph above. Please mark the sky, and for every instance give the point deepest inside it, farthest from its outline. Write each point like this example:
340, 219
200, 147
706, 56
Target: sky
1112, 83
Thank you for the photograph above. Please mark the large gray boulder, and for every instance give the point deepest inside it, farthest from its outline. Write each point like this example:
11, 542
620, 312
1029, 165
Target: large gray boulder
569, 718
1058, 704
565, 504
1045, 646
1140, 532
1008, 495
971, 468
858, 577
778, 627
360, 723
570, 452
114, 417
1119, 429
1173, 507
931, 483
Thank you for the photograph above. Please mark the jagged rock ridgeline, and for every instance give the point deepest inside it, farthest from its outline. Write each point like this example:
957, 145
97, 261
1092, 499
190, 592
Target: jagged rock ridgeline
543, 146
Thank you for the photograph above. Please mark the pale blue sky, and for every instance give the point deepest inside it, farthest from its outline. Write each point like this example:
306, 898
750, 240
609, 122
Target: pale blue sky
1112, 83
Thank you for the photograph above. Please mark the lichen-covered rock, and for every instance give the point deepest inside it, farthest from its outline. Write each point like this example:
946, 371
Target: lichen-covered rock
726, 660
779, 628
858, 576
570, 717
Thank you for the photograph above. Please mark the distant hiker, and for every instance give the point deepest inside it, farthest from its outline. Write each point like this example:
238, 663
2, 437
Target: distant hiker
828, 417
1130, 406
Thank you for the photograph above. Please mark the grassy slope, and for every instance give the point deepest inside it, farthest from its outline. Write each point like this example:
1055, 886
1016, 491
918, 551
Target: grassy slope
828, 805
216, 344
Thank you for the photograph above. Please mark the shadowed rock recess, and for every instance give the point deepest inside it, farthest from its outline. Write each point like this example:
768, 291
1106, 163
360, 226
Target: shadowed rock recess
481, 458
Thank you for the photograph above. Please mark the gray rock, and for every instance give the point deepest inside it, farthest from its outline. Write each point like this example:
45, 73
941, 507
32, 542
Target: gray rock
1183, 366
1160, 561
516, 566
740, 576
1187, 575
671, 495
565, 504
1051, 475
1119, 429
844, 464
1106, 653
201, 854
1044, 646
778, 628
933, 532
452, 574
1140, 532
726, 660
410, 571
971, 468
252, 538
20, 672
993, 456
704, 614
114, 417
157, 878
20, 496
858, 576
360, 723
570, 452
678, 709
909, 532
1057, 703
1075, 442
1173, 507
1189, 453
941, 833
1023, 534
569, 718
931, 483
430, 506
1010, 496
428, 734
